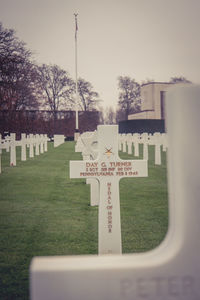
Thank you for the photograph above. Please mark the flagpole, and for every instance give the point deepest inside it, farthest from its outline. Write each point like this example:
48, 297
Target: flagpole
76, 73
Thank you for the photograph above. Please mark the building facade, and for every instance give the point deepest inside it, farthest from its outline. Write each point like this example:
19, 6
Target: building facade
152, 101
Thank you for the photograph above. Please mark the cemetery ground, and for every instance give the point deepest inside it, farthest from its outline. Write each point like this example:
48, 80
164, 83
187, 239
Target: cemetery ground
43, 212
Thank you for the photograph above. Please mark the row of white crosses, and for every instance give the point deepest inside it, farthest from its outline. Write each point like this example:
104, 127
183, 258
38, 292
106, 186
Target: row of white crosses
131, 142
36, 143
172, 270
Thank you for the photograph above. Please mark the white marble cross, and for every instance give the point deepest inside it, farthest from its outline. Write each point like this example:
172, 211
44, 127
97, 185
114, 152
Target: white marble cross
31, 143
123, 137
129, 142
45, 137
90, 152
41, 142
23, 146
13, 149
157, 143
37, 146
3, 145
136, 144
144, 141
108, 168
87, 144
7, 143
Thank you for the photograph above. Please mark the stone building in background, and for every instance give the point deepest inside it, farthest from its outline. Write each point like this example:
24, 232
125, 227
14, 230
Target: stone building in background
151, 118
152, 101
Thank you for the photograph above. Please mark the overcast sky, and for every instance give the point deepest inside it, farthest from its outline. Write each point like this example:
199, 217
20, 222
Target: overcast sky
143, 39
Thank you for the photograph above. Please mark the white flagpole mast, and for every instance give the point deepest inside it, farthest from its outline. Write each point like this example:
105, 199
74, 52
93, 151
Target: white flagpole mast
76, 72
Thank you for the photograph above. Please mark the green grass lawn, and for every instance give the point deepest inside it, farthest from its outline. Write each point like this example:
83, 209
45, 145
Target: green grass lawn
43, 212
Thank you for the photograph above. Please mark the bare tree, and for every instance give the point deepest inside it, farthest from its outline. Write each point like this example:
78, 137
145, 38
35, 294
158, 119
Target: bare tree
89, 99
57, 86
101, 115
120, 115
18, 75
110, 116
129, 96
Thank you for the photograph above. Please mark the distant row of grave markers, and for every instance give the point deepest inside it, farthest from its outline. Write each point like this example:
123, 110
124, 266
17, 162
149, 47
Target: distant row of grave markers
130, 143
37, 145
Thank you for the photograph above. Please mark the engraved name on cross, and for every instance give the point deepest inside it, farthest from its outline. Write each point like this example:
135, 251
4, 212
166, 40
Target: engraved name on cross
108, 168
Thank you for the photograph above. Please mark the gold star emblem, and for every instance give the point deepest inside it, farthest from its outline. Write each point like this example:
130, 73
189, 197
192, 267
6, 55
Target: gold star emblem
108, 152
